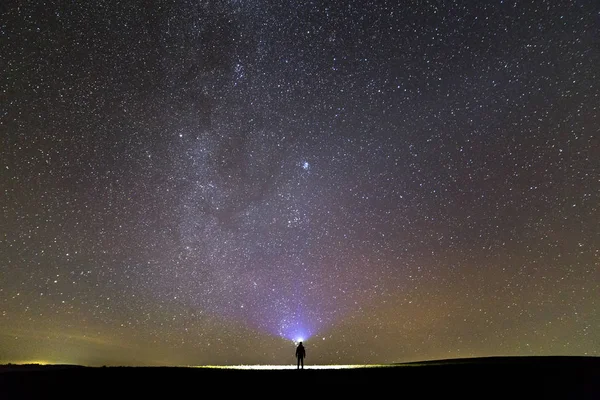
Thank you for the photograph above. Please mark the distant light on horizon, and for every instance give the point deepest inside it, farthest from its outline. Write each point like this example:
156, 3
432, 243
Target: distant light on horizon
35, 362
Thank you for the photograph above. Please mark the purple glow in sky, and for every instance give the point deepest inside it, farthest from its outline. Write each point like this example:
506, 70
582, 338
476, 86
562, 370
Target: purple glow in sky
197, 183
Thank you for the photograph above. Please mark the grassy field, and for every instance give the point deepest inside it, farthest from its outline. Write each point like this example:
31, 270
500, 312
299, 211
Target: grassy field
482, 378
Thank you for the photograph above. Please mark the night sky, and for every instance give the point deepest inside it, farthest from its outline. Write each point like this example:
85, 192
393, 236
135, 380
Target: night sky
206, 182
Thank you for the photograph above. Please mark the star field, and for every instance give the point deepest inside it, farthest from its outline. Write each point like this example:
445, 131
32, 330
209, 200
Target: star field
188, 182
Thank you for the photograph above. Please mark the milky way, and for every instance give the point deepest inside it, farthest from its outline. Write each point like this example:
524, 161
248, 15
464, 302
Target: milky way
189, 182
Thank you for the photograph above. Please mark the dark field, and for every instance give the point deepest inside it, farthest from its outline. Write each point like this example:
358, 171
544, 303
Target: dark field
504, 377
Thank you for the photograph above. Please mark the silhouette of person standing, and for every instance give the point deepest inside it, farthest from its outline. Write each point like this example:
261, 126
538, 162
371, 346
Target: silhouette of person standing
300, 354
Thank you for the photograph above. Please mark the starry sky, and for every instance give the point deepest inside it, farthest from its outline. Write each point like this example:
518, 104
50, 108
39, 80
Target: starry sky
192, 182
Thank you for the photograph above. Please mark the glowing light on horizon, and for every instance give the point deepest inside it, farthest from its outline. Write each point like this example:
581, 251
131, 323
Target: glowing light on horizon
35, 362
292, 366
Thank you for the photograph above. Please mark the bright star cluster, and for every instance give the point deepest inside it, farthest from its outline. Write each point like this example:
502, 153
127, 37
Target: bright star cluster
204, 183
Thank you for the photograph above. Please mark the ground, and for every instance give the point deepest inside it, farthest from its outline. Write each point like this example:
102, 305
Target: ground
503, 377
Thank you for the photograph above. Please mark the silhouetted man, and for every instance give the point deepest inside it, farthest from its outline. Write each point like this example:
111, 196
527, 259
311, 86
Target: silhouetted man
300, 354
